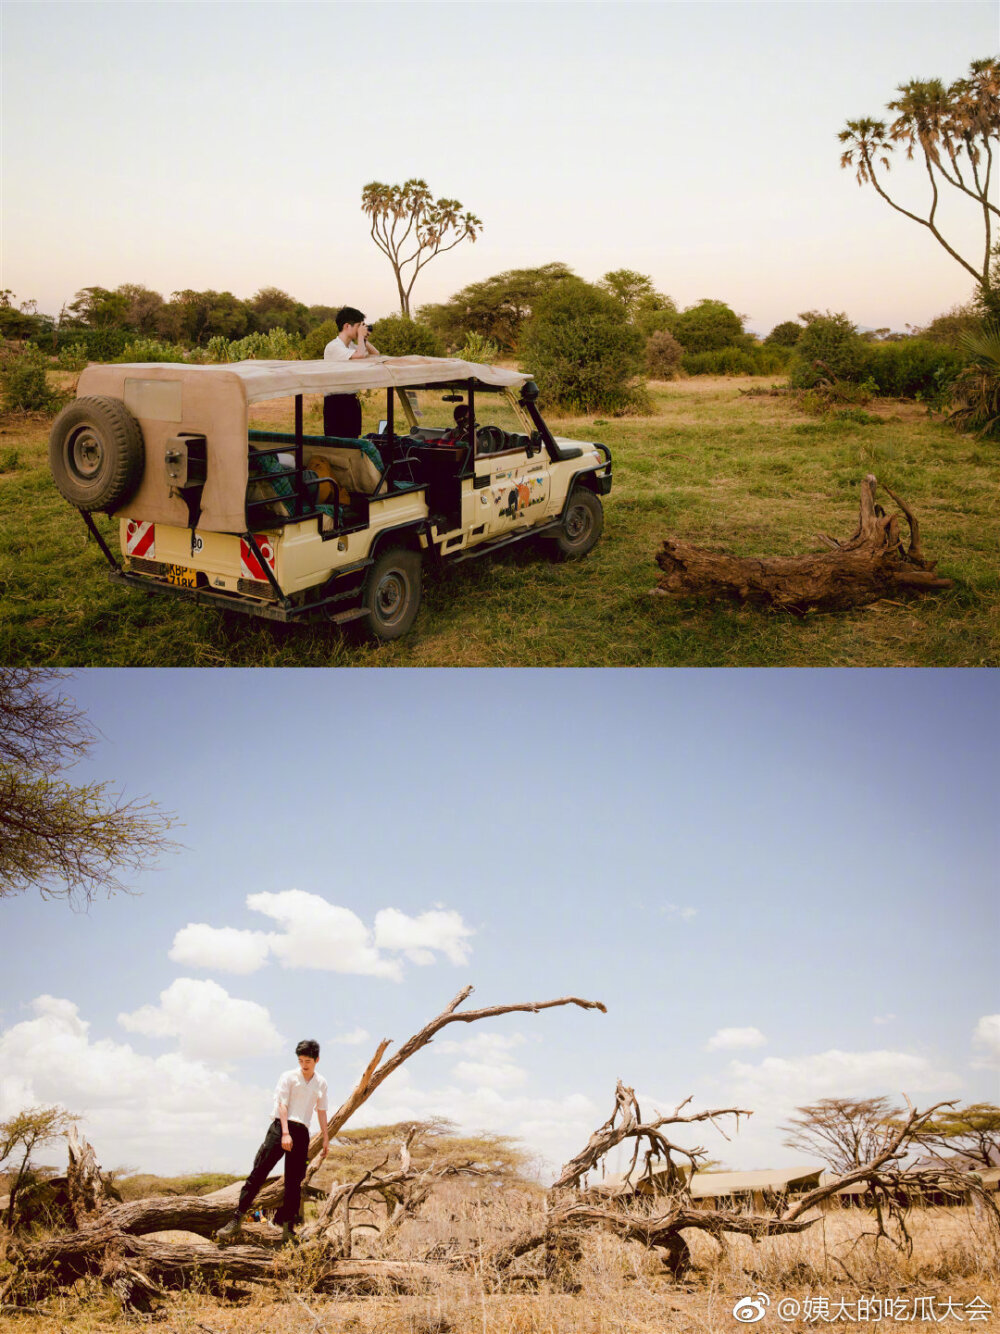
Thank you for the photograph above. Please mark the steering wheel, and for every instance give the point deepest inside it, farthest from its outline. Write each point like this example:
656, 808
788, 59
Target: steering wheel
490, 440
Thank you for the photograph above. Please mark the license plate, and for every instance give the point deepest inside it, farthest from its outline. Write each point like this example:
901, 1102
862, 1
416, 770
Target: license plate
181, 576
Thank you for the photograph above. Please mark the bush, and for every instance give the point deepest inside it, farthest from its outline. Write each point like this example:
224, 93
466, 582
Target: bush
73, 357
663, 355
275, 345
581, 351
150, 349
398, 336
100, 344
911, 368
829, 348
707, 326
753, 360
23, 381
315, 341
785, 334
481, 350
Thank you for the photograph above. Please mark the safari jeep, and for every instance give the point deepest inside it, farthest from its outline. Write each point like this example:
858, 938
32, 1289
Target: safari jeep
291, 526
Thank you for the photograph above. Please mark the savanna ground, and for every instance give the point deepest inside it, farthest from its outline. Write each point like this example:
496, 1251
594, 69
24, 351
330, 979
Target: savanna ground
753, 475
623, 1289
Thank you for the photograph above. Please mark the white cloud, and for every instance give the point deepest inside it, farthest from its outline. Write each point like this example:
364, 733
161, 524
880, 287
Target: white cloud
883, 1018
319, 934
163, 1114
208, 1023
416, 937
315, 933
492, 1045
678, 910
499, 1075
780, 1082
725, 1039
352, 1039
987, 1035
220, 947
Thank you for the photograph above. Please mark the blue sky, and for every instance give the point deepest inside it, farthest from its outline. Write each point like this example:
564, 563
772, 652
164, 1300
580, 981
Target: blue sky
783, 885
226, 146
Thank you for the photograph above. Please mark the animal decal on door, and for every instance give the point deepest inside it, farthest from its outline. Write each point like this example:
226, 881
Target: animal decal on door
518, 496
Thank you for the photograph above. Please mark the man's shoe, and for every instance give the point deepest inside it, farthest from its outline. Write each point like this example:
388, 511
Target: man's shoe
288, 1237
228, 1233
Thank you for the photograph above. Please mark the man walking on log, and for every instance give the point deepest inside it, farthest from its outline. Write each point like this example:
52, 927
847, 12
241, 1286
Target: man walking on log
299, 1093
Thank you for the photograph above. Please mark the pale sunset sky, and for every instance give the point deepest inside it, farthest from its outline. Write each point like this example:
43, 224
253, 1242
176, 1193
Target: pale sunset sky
225, 146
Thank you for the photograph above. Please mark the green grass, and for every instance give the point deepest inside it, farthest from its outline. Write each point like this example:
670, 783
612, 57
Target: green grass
751, 475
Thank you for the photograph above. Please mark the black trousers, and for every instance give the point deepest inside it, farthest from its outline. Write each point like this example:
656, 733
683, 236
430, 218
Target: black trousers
342, 416
295, 1169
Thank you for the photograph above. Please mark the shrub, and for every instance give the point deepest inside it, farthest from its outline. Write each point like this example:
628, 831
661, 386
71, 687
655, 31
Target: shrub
481, 350
581, 351
275, 345
910, 368
829, 348
663, 355
315, 341
73, 356
23, 381
706, 326
398, 336
150, 349
753, 360
785, 334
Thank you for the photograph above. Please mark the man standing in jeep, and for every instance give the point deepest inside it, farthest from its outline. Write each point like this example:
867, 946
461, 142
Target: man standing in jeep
342, 412
299, 1093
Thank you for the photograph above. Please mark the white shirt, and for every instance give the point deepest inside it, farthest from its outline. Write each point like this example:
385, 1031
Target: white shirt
301, 1098
337, 350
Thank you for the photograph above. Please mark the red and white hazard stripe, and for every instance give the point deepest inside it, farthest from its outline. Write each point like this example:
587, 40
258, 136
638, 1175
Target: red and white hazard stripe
140, 539
249, 564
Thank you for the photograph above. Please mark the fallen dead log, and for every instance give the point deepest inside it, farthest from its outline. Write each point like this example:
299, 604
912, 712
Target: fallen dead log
871, 564
112, 1239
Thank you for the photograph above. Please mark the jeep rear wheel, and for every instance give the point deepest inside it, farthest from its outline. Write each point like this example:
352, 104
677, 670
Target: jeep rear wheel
392, 594
582, 525
96, 453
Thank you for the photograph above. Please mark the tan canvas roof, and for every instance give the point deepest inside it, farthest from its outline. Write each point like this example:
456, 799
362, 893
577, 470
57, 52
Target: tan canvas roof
168, 398
705, 1185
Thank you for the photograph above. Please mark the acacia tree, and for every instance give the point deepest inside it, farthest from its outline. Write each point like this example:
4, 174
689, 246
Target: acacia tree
971, 1132
955, 130
410, 227
67, 841
846, 1132
20, 1136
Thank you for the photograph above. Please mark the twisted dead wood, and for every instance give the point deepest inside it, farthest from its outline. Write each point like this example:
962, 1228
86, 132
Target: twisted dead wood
120, 1230
869, 565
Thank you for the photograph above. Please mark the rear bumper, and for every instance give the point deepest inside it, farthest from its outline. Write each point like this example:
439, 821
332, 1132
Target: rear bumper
326, 609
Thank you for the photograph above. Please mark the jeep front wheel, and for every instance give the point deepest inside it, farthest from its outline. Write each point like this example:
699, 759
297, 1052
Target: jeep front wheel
582, 525
392, 594
96, 453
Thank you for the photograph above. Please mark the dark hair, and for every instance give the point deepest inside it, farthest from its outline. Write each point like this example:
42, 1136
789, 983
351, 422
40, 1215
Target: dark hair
308, 1047
348, 315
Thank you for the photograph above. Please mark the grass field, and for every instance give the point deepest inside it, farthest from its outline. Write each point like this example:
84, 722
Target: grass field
622, 1288
751, 474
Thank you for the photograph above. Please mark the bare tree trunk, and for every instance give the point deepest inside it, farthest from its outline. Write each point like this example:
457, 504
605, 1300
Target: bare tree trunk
870, 565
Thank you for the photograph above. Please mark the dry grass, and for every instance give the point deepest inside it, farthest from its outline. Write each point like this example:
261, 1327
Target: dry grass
623, 1289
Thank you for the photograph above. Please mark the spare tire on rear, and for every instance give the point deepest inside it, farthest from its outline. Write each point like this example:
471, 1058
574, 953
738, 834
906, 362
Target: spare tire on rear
96, 453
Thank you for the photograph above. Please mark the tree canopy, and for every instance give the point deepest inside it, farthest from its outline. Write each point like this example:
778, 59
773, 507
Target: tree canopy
844, 1132
411, 228
496, 307
954, 133
65, 840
